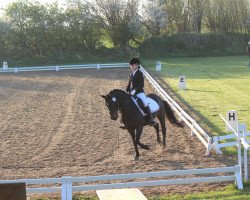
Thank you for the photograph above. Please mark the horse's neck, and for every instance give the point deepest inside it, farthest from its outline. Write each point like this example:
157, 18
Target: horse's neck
123, 99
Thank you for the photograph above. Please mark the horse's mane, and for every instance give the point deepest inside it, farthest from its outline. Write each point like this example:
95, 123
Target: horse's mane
117, 91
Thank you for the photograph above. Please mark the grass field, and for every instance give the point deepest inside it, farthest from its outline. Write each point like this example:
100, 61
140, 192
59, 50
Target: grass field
214, 86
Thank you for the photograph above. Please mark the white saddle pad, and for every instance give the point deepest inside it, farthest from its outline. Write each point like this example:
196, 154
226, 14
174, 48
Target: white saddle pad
153, 106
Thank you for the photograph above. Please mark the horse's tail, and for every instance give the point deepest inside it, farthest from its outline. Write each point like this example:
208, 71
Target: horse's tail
170, 115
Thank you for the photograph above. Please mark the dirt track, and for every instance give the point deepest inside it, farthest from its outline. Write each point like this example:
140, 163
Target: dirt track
56, 124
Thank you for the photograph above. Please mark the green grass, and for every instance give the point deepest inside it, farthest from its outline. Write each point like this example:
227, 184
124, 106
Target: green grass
230, 192
214, 86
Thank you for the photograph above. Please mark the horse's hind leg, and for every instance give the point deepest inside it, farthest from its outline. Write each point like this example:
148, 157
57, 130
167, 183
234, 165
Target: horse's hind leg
157, 129
164, 130
137, 154
137, 138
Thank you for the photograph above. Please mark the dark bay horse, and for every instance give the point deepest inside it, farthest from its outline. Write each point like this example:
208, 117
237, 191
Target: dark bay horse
134, 121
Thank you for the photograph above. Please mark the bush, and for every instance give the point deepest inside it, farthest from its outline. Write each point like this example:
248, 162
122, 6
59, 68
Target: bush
195, 44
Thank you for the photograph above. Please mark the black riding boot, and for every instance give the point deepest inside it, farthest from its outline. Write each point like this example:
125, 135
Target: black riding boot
149, 114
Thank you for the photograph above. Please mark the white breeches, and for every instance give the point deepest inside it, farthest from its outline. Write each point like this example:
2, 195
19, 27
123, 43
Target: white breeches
143, 97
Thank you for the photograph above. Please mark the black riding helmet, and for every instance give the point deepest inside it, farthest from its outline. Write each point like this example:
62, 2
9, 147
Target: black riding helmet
134, 61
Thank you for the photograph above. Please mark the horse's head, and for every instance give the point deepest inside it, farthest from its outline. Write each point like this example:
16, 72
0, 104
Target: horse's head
112, 104
114, 101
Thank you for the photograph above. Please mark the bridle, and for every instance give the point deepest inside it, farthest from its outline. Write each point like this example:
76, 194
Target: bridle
122, 106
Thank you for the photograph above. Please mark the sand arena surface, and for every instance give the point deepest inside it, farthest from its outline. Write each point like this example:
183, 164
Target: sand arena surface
56, 124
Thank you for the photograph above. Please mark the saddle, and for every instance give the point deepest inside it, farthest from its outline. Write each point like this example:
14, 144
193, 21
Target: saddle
153, 106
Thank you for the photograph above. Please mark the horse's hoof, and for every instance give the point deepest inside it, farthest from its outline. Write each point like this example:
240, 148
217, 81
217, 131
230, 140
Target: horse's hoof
147, 147
136, 158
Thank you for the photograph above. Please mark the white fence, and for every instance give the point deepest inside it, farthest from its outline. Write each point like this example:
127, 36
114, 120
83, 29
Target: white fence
241, 135
63, 67
222, 141
67, 186
192, 124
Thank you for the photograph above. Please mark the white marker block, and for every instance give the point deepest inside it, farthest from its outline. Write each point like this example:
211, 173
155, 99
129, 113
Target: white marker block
57, 68
232, 119
158, 66
5, 66
182, 83
16, 70
98, 66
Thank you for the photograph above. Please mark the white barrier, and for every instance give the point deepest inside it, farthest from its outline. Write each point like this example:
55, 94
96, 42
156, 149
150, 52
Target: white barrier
241, 135
63, 67
192, 124
221, 141
241, 140
67, 183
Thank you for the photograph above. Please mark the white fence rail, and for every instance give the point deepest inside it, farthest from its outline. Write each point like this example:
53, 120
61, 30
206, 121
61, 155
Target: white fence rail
67, 186
222, 141
192, 124
63, 67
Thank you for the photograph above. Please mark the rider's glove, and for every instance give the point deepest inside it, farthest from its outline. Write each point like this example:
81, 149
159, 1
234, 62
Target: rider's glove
132, 92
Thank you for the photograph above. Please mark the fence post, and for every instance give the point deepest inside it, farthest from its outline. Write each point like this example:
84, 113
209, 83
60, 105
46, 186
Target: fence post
67, 188
209, 146
238, 177
245, 158
216, 145
192, 129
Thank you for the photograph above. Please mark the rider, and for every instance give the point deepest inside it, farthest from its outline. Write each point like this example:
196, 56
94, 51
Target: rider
136, 84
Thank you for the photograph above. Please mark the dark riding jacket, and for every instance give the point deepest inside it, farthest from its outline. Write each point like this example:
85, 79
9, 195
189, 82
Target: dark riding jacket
136, 82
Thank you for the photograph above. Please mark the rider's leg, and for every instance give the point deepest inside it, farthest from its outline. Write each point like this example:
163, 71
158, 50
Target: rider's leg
143, 97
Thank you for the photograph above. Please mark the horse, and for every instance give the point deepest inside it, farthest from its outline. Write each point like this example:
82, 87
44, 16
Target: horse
134, 121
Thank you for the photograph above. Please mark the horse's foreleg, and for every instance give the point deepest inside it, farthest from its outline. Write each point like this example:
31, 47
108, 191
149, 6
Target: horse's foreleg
137, 139
132, 133
157, 129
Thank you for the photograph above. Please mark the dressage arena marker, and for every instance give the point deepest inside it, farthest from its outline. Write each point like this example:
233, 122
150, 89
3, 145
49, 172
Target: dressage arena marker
5, 66
182, 83
232, 119
158, 66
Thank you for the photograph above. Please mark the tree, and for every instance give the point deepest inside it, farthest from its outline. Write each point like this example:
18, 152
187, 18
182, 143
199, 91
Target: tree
155, 16
118, 18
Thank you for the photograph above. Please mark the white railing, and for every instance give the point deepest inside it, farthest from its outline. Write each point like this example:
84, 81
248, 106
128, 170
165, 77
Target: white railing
192, 124
63, 67
241, 135
221, 141
67, 186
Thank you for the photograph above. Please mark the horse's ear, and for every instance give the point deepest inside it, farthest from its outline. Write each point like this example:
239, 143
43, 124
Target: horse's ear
104, 96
